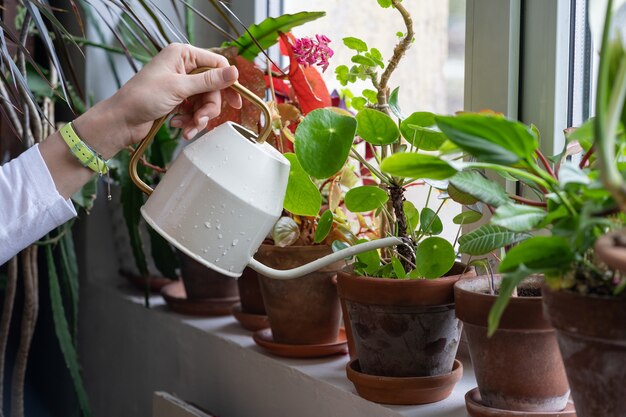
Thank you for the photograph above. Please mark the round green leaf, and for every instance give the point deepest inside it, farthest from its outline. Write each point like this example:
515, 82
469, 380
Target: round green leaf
434, 257
302, 196
415, 129
365, 198
371, 260
376, 127
355, 44
430, 222
323, 226
467, 217
412, 216
416, 165
323, 142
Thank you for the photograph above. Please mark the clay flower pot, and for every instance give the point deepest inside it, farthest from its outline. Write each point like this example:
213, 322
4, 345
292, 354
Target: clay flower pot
591, 331
305, 310
519, 368
402, 328
203, 282
250, 293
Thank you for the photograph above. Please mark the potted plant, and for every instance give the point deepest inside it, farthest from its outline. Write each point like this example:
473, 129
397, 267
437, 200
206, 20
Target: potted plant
583, 298
404, 294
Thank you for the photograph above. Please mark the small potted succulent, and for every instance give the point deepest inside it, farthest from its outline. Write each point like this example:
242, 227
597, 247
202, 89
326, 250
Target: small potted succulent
401, 294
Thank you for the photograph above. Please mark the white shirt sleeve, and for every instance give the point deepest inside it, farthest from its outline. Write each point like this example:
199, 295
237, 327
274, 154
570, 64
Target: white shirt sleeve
30, 205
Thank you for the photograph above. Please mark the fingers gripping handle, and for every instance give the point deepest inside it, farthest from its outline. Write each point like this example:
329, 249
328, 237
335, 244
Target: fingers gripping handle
145, 142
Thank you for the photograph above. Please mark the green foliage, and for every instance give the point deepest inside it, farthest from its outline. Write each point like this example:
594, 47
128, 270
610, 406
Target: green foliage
324, 132
545, 253
415, 165
430, 222
394, 104
479, 187
302, 196
488, 238
266, 32
467, 217
376, 127
324, 225
412, 216
434, 257
355, 44
365, 198
517, 217
416, 129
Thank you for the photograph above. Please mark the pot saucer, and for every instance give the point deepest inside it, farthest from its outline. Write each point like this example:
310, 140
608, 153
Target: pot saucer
176, 299
248, 321
403, 390
264, 339
475, 408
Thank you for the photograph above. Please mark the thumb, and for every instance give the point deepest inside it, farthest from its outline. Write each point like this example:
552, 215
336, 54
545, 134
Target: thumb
211, 80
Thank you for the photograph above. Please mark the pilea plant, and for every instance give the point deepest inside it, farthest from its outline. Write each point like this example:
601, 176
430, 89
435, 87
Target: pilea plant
326, 141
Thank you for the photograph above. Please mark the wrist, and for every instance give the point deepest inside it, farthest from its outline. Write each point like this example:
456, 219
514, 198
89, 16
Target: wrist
103, 129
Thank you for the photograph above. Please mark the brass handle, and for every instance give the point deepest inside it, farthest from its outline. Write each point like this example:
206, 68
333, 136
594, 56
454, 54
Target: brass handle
145, 142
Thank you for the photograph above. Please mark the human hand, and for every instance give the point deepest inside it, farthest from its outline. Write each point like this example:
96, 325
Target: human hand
161, 87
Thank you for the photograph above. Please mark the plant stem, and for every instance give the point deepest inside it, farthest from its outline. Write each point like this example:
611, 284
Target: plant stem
190, 23
514, 171
528, 202
397, 200
545, 163
384, 178
586, 157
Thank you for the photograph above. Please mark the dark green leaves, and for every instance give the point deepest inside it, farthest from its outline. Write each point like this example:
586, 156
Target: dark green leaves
266, 32
414, 165
489, 138
365, 198
302, 196
434, 257
467, 217
430, 222
323, 142
376, 127
488, 238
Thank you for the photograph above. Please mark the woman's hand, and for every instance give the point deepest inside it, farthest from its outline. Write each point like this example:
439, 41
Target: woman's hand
161, 87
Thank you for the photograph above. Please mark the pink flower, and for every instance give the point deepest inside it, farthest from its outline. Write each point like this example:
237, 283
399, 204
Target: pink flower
309, 51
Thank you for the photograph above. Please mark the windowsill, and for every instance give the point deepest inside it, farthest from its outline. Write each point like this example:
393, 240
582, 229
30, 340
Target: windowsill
130, 352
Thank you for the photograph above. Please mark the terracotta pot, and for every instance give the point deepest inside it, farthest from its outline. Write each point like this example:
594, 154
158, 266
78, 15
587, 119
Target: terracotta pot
250, 293
302, 311
154, 282
591, 331
519, 368
204, 283
402, 328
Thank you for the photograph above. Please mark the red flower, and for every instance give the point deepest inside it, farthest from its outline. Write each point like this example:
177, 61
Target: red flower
309, 51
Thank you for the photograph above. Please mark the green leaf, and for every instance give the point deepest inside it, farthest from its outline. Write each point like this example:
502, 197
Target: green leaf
358, 103
459, 196
415, 130
363, 60
542, 253
302, 196
324, 225
338, 245
365, 198
375, 53
398, 269
488, 138
371, 259
370, 95
86, 196
518, 217
376, 127
467, 217
434, 257
415, 165
323, 142
285, 232
69, 279
164, 256
488, 238
584, 134
412, 216
394, 105
570, 173
62, 330
474, 184
430, 222
266, 32
384, 3
355, 44
509, 282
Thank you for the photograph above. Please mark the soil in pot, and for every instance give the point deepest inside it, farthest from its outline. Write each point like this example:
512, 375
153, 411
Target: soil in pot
591, 331
519, 368
402, 328
305, 310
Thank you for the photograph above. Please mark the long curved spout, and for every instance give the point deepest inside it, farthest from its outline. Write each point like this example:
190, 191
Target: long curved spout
325, 261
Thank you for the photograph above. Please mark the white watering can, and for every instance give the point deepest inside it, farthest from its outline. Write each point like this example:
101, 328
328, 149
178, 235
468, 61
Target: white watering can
223, 194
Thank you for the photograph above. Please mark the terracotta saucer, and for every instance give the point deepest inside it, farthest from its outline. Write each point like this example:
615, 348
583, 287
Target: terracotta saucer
403, 390
154, 282
252, 322
475, 408
264, 339
176, 299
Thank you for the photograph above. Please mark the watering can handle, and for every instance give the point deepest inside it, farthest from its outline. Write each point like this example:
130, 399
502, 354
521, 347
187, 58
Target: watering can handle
145, 142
